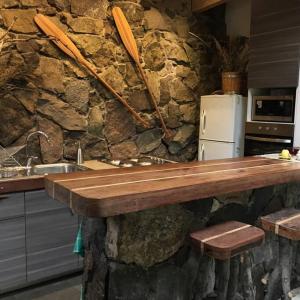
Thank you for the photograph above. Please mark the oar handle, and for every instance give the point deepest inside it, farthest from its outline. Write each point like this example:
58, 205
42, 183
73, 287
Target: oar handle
166, 130
114, 92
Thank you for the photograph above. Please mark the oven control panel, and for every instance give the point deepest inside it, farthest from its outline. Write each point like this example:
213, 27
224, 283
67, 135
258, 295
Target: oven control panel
270, 129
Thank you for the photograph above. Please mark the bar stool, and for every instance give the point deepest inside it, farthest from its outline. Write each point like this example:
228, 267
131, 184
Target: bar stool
224, 241
285, 224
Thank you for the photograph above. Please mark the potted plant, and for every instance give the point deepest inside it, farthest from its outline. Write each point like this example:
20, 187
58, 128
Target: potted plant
234, 57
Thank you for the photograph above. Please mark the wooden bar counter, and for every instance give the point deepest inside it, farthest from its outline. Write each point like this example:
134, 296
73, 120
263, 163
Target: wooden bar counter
119, 191
137, 221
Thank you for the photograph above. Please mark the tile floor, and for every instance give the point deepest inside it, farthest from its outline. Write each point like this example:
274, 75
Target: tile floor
63, 289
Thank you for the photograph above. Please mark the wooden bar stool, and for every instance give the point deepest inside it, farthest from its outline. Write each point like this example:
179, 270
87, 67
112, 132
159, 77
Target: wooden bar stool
224, 241
285, 224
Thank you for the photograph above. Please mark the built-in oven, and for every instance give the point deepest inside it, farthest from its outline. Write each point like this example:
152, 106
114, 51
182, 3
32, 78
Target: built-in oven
273, 108
266, 138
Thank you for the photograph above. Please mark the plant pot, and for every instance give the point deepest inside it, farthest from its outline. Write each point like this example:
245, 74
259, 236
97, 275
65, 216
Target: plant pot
231, 82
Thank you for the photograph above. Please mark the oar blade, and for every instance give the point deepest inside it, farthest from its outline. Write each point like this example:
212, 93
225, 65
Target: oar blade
125, 33
59, 37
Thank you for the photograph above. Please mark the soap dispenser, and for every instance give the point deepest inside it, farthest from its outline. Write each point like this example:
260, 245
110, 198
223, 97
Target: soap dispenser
79, 155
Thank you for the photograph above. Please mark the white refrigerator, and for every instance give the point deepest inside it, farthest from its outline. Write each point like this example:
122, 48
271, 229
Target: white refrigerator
222, 126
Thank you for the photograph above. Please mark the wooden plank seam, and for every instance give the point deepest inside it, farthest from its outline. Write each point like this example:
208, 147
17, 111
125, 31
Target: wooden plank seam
149, 171
164, 178
221, 235
278, 223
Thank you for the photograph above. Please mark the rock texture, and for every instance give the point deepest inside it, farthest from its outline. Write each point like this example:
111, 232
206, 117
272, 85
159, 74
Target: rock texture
50, 90
147, 255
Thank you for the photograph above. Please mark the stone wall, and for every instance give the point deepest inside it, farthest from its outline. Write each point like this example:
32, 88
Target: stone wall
51, 92
147, 255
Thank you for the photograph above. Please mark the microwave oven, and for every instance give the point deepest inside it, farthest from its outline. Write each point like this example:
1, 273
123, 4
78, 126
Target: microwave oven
273, 108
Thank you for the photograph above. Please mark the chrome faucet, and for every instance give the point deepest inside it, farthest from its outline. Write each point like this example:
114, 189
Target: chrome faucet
30, 158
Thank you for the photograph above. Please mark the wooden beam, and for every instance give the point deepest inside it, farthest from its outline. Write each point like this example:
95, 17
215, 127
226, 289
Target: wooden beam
203, 5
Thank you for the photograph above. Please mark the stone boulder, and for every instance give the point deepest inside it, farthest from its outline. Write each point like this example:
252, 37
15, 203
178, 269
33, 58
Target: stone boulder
51, 152
89, 8
24, 20
15, 120
88, 43
97, 151
154, 57
188, 112
119, 125
12, 65
28, 98
63, 5
133, 12
140, 100
175, 52
49, 74
34, 3
165, 95
96, 121
87, 25
61, 113
173, 120
180, 92
127, 149
9, 3
155, 20
183, 136
113, 77
151, 236
149, 140
77, 94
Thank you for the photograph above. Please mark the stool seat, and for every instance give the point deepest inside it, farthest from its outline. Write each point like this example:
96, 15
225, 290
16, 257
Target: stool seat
228, 239
285, 223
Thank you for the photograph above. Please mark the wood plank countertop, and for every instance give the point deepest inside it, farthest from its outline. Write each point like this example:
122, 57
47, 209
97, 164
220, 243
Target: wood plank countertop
118, 191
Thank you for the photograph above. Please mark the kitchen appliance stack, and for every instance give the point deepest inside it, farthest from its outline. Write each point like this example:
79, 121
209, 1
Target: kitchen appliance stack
271, 121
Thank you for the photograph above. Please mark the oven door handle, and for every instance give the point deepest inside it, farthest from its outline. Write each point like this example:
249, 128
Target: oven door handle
270, 140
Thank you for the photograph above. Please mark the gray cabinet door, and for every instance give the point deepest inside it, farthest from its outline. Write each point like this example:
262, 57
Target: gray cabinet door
50, 235
12, 253
11, 205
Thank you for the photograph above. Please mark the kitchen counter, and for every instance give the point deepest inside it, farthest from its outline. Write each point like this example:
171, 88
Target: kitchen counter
119, 191
36, 182
21, 184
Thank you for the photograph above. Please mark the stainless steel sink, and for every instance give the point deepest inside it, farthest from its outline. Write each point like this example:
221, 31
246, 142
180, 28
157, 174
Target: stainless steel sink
56, 168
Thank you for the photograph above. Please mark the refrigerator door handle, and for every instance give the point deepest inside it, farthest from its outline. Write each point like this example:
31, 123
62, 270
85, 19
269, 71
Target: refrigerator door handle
203, 121
202, 152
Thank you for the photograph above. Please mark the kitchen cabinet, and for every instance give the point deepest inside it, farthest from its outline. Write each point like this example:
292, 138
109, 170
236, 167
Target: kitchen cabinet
37, 235
274, 44
12, 241
12, 253
50, 234
11, 205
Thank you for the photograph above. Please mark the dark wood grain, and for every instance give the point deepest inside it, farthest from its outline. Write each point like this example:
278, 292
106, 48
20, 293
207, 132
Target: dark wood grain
289, 229
118, 191
21, 184
220, 242
274, 44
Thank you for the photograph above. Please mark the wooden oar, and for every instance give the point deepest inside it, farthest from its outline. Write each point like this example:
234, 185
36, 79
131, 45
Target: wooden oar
60, 39
130, 44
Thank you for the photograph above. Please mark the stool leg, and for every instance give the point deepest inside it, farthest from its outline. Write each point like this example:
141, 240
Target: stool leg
274, 281
234, 278
273, 288
249, 290
285, 255
222, 283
